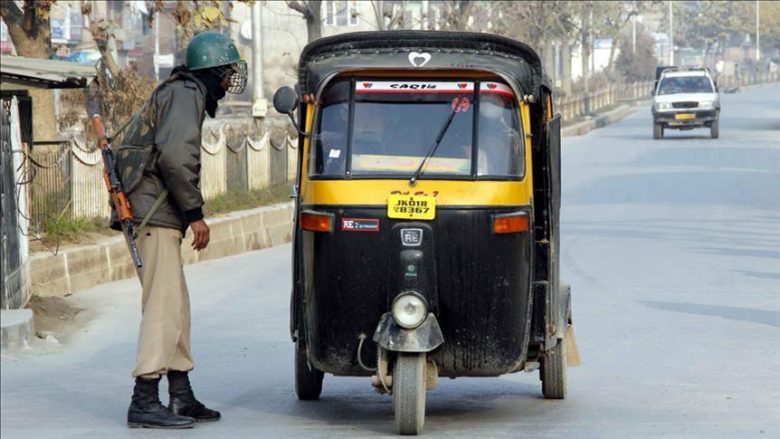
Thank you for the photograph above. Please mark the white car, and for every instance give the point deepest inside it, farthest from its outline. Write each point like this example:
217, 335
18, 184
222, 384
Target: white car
684, 99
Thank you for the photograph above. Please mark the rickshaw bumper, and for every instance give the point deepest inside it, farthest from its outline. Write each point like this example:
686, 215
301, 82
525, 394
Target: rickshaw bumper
424, 338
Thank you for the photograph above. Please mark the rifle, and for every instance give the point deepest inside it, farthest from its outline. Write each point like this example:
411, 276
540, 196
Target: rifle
113, 184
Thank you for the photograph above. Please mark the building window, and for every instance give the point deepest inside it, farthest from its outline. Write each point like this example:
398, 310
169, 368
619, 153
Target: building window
341, 12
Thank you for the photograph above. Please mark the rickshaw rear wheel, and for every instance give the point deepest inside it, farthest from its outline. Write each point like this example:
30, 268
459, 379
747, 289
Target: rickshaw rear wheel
553, 372
409, 393
308, 380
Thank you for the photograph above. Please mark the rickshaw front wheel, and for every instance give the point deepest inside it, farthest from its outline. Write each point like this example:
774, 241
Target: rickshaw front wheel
308, 380
409, 393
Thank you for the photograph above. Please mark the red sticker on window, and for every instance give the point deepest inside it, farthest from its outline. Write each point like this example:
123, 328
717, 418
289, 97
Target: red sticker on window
461, 104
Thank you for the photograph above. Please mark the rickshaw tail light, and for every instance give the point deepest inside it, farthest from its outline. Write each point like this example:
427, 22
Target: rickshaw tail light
316, 222
512, 223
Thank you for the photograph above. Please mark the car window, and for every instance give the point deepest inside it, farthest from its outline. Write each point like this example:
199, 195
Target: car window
685, 84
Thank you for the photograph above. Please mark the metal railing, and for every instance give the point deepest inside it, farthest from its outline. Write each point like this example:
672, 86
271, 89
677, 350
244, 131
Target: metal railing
579, 105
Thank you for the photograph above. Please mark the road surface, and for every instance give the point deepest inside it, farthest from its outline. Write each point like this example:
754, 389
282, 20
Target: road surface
672, 248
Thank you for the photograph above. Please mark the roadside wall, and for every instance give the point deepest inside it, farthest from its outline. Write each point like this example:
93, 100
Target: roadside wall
83, 267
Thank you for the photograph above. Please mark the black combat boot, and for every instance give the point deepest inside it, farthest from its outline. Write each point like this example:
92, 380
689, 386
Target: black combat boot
147, 411
183, 401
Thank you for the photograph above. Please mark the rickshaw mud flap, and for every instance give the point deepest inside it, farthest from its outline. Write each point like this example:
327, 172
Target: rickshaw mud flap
557, 309
424, 338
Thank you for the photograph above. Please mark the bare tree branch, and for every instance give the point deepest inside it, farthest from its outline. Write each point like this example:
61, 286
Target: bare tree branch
299, 6
11, 13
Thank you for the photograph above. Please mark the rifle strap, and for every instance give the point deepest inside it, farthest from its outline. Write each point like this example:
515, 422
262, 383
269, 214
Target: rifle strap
157, 203
124, 127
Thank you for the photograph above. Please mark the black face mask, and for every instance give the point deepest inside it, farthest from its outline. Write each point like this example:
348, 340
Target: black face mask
214, 90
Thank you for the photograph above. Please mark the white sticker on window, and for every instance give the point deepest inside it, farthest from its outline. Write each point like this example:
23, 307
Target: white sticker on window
334, 153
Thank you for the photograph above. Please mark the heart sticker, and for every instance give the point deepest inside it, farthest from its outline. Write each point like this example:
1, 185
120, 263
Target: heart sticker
491, 86
462, 86
367, 85
418, 59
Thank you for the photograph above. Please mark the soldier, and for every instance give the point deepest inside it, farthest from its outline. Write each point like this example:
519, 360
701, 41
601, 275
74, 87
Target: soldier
159, 163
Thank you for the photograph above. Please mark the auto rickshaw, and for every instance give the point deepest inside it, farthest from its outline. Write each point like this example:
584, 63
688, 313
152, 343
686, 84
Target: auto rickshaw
426, 237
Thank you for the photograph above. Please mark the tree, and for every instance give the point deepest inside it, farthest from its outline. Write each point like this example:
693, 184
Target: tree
454, 15
30, 32
192, 17
637, 65
124, 90
702, 24
312, 13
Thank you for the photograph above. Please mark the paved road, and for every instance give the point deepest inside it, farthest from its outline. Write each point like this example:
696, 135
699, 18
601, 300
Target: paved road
673, 251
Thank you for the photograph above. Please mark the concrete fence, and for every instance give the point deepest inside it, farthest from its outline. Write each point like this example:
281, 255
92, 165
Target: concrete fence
67, 179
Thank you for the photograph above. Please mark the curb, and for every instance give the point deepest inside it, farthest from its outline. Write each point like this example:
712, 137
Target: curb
16, 329
600, 120
83, 267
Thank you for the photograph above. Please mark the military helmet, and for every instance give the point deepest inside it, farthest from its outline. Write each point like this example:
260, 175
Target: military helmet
212, 50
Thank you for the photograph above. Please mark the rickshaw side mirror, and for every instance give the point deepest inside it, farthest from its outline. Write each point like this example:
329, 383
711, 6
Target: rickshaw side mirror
285, 100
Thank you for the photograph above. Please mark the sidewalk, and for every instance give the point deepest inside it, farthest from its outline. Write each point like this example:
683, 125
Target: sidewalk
603, 119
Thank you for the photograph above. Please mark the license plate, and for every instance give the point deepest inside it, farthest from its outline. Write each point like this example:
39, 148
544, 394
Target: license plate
419, 207
684, 116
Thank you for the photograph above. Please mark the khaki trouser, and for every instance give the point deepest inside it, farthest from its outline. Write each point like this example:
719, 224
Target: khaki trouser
164, 338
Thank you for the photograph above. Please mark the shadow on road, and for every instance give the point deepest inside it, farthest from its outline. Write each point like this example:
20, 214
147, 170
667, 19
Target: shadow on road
686, 187
753, 158
760, 316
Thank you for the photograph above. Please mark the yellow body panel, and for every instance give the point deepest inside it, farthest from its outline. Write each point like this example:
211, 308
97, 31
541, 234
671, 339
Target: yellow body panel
447, 192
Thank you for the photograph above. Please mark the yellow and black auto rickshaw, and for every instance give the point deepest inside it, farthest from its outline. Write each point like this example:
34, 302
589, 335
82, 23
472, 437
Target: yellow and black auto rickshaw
426, 239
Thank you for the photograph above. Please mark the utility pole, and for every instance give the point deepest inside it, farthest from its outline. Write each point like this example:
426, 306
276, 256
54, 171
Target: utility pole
633, 29
592, 48
671, 35
259, 103
758, 32
157, 47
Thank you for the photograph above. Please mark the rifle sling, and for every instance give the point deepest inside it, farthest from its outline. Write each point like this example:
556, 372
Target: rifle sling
157, 203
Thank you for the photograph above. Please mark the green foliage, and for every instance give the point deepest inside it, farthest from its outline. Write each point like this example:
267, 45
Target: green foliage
232, 201
72, 230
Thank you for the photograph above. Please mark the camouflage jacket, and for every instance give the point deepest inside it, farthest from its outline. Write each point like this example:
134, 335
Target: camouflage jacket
160, 149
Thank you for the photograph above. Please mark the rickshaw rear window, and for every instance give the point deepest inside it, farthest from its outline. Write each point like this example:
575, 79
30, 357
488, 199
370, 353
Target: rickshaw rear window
395, 123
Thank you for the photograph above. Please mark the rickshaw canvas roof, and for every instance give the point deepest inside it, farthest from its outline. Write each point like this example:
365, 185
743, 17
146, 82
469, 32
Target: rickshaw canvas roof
421, 51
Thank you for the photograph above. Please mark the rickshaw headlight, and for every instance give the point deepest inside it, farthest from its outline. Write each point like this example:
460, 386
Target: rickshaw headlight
409, 310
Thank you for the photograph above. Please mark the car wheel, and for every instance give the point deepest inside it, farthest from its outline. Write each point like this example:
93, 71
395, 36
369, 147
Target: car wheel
715, 129
658, 131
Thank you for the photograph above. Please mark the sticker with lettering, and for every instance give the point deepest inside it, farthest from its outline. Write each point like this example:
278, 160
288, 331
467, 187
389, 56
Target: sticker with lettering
360, 224
385, 87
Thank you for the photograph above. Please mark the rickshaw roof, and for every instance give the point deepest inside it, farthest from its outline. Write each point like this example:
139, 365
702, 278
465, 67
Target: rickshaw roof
421, 51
